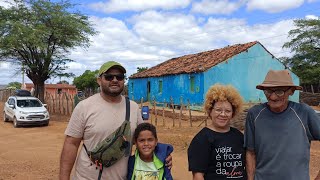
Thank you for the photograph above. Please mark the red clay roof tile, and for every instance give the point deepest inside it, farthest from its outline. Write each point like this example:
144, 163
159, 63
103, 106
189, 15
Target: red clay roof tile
191, 63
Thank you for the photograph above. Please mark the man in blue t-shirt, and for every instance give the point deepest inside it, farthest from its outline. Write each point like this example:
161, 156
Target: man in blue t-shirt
279, 132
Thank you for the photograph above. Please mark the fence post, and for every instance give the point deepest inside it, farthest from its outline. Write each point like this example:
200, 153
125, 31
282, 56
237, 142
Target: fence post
155, 112
141, 102
63, 104
173, 113
190, 117
151, 105
59, 104
53, 104
180, 114
47, 99
163, 120
67, 99
73, 102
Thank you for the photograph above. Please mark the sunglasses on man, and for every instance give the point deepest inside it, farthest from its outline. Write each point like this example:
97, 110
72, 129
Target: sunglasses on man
110, 77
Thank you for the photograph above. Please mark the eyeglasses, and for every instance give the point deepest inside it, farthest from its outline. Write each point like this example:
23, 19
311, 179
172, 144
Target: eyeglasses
110, 77
220, 111
278, 92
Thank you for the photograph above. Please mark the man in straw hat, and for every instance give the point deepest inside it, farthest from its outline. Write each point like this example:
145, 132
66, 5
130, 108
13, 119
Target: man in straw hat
93, 121
278, 133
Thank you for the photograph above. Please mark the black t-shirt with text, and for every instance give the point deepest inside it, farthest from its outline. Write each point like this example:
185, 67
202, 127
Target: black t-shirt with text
219, 156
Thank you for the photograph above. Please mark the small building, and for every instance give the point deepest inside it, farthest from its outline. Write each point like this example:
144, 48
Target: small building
189, 77
54, 89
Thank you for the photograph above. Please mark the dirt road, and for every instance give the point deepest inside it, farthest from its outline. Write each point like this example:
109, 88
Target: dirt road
33, 153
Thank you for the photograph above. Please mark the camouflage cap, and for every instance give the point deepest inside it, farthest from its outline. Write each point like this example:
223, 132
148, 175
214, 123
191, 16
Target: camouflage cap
106, 66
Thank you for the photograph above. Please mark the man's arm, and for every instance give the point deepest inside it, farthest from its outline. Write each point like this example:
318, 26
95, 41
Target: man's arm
318, 176
68, 156
250, 164
198, 176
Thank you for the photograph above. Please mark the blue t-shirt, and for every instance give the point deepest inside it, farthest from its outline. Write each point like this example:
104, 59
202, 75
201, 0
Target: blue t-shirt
281, 141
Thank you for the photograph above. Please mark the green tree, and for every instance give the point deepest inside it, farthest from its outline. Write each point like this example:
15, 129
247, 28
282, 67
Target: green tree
63, 82
286, 62
87, 81
140, 69
38, 35
15, 85
305, 44
68, 75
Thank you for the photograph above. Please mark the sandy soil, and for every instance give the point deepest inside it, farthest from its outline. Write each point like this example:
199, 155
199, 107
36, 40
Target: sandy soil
33, 153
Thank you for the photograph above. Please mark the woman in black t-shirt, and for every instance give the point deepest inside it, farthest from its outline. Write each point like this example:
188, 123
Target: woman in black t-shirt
216, 152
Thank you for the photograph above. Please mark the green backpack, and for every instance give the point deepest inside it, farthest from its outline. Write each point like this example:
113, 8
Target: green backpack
113, 147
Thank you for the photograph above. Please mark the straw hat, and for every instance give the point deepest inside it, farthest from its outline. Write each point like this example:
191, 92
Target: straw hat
278, 78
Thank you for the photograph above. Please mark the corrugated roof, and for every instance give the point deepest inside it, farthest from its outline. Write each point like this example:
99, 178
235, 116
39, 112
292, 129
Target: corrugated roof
199, 62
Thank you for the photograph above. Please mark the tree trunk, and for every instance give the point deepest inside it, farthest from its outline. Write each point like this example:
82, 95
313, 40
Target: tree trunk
39, 90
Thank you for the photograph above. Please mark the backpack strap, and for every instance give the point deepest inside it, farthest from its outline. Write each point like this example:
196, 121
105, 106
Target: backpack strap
127, 109
100, 166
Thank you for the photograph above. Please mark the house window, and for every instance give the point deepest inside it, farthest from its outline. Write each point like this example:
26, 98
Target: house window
132, 87
59, 91
192, 81
160, 86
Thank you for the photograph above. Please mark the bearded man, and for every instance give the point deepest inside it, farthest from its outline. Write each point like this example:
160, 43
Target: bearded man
93, 121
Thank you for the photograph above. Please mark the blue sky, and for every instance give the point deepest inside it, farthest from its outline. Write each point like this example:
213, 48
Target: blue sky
144, 33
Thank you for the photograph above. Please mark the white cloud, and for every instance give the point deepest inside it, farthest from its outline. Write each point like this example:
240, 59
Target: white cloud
6, 4
151, 37
116, 42
172, 31
9, 72
154, 38
138, 5
312, 17
273, 6
272, 36
158, 36
215, 6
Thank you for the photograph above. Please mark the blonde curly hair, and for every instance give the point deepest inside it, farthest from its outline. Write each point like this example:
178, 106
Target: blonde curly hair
219, 92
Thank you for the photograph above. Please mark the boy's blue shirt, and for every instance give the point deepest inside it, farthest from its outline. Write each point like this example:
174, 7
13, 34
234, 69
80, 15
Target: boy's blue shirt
162, 151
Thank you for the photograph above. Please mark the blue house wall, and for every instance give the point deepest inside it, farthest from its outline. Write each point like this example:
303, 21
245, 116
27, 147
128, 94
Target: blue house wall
137, 89
175, 86
244, 71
